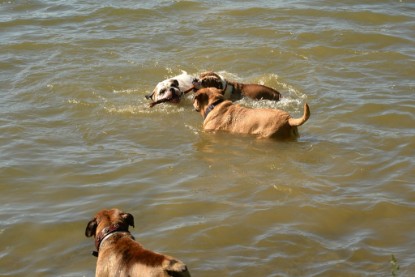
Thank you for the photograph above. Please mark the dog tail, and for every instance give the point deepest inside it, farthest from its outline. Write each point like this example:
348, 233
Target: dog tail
300, 121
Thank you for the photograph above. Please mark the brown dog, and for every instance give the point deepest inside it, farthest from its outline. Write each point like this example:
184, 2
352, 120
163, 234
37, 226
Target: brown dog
235, 91
120, 255
221, 114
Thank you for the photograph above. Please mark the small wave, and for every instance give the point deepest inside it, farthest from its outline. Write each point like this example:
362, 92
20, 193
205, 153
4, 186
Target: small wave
129, 109
192, 128
143, 109
125, 12
125, 91
248, 12
182, 5
75, 101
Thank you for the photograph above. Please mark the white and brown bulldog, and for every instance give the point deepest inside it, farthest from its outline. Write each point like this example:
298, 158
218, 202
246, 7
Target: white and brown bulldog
120, 255
222, 115
173, 89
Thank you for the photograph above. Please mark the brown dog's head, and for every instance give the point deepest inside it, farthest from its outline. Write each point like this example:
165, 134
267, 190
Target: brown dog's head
205, 97
210, 79
107, 218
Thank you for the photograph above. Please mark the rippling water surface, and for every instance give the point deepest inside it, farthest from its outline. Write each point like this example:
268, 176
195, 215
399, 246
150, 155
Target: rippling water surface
77, 135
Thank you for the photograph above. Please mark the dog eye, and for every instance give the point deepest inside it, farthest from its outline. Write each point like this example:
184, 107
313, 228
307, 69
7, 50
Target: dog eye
162, 91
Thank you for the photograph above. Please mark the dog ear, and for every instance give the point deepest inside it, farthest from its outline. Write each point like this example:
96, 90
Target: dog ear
129, 218
196, 97
91, 228
197, 100
196, 105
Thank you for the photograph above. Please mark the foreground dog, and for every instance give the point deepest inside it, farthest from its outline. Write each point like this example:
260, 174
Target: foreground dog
120, 255
173, 89
220, 114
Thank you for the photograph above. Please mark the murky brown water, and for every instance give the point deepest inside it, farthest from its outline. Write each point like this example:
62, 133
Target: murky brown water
77, 135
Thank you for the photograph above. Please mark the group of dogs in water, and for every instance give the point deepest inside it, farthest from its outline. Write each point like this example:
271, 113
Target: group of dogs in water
214, 96
118, 253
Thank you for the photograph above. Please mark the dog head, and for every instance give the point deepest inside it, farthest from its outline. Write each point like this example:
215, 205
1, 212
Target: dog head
106, 219
172, 89
205, 97
167, 90
210, 79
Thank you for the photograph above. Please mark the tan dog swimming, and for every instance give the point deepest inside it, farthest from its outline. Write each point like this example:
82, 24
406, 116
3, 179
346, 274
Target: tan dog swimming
120, 255
222, 115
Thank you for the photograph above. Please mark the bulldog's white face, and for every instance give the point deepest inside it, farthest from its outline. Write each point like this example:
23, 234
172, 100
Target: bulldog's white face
171, 90
168, 90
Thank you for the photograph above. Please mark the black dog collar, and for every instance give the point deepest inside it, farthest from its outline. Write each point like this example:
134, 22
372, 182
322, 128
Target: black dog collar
212, 106
105, 233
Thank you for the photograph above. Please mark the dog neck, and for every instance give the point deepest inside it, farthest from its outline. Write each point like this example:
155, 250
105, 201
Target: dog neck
227, 88
228, 91
212, 106
106, 233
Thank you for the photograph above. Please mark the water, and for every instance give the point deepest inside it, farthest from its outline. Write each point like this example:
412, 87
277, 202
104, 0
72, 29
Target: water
77, 135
